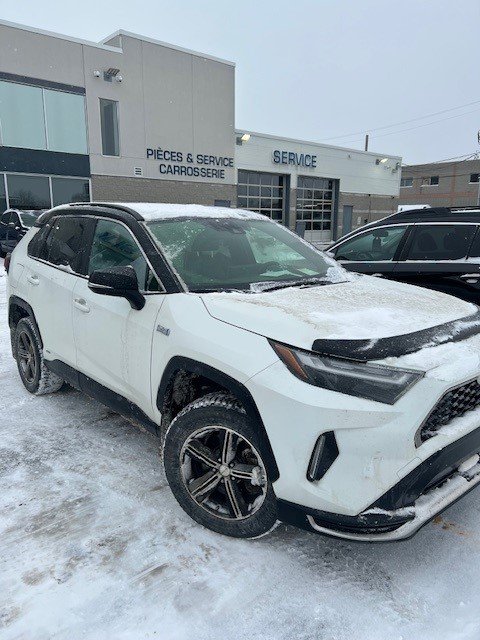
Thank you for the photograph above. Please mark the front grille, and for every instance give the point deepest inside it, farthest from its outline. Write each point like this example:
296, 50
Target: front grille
454, 403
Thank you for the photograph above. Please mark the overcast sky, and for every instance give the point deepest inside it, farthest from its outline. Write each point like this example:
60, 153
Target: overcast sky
317, 69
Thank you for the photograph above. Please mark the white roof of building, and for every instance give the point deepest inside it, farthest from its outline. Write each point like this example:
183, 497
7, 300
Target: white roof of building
161, 211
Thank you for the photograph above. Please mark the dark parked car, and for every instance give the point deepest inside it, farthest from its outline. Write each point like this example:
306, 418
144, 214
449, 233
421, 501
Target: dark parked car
14, 224
437, 248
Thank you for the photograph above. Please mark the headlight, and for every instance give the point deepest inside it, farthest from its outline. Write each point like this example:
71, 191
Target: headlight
371, 381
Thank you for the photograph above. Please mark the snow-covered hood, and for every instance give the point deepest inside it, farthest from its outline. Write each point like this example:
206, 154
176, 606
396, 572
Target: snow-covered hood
365, 314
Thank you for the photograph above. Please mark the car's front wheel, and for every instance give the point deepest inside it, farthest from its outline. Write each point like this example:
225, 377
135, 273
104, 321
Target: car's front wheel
213, 463
35, 376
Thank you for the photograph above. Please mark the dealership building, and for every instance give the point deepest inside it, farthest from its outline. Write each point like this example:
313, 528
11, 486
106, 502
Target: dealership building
135, 119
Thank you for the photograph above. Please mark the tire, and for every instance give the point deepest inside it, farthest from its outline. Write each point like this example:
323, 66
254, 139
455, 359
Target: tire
233, 495
36, 378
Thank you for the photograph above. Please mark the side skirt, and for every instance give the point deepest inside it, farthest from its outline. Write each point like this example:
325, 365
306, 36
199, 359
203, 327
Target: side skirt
97, 391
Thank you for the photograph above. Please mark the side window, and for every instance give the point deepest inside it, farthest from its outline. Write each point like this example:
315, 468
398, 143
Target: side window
475, 248
441, 242
375, 245
114, 246
5, 219
36, 244
66, 244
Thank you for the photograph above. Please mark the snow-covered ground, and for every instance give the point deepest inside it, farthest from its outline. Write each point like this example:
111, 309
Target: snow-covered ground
93, 546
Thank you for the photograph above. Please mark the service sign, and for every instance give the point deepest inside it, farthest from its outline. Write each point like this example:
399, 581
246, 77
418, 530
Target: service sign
296, 159
198, 165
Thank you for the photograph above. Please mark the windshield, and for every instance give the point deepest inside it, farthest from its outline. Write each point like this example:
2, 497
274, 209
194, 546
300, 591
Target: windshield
28, 217
216, 254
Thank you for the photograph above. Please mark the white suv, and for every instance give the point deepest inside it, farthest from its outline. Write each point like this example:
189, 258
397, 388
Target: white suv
281, 386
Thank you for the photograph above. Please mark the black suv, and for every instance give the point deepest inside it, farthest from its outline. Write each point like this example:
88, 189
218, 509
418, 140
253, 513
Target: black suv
14, 224
437, 248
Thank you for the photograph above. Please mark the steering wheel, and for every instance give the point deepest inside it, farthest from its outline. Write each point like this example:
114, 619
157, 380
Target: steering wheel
363, 255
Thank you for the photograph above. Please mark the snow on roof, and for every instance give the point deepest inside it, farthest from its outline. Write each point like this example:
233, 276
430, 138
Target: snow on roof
161, 211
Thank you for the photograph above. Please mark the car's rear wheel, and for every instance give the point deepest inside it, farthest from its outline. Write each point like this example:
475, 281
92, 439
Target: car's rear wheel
35, 376
214, 465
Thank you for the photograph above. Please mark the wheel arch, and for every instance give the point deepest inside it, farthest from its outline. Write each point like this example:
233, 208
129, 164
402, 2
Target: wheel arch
206, 378
18, 309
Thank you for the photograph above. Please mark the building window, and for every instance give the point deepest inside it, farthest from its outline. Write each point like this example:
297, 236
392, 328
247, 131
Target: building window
36, 118
430, 181
261, 192
70, 190
28, 192
474, 178
22, 121
109, 124
406, 182
65, 118
315, 199
3, 195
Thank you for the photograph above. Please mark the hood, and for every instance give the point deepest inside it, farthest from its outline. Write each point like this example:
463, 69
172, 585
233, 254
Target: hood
365, 318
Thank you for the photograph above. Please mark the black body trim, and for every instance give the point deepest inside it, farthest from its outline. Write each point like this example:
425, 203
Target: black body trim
430, 473
296, 514
38, 82
19, 302
395, 346
180, 363
106, 396
42, 162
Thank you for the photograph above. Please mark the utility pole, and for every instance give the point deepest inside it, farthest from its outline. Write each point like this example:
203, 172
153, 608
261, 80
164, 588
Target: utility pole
366, 140
478, 192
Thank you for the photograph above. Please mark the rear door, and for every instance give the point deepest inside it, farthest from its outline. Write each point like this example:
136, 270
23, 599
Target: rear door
435, 257
372, 251
54, 265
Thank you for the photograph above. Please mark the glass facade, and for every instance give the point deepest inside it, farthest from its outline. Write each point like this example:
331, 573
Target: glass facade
37, 118
23, 191
262, 192
70, 190
28, 192
315, 202
109, 124
3, 195
65, 118
22, 122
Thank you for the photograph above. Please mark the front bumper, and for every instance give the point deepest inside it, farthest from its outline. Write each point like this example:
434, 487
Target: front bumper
430, 488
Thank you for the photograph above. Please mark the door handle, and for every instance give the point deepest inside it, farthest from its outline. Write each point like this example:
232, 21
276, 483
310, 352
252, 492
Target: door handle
33, 280
81, 305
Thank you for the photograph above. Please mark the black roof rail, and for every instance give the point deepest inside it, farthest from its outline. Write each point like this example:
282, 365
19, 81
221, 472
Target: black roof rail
107, 205
117, 210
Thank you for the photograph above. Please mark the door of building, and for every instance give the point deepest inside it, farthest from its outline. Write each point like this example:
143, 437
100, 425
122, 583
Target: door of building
315, 205
347, 219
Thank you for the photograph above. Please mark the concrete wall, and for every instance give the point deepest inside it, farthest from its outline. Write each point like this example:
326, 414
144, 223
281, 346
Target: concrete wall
147, 190
169, 100
453, 189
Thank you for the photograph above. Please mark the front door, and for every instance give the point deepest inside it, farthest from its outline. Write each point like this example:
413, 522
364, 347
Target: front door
114, 341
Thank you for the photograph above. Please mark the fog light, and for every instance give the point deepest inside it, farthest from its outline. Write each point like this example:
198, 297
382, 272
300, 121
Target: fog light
324, 454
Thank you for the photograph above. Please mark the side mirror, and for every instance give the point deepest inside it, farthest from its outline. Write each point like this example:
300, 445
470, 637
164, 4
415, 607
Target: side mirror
120, 282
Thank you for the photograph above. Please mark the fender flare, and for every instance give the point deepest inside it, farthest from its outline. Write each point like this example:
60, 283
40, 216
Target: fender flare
181, 363
19, 302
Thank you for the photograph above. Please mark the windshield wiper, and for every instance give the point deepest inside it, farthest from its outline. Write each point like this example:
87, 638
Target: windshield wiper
259, 287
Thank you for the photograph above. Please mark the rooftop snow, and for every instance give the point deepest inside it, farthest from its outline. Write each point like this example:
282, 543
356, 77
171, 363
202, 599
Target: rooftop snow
162, 211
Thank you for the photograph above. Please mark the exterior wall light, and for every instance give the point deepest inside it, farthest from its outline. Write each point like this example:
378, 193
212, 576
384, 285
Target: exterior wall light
96, 73
245, 137
381, 160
